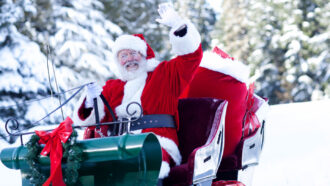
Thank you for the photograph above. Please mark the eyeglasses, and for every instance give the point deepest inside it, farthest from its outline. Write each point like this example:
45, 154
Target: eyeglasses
126, 54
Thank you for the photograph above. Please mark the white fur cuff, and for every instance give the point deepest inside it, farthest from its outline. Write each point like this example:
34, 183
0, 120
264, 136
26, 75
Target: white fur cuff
164, 170
171, 148
91, 118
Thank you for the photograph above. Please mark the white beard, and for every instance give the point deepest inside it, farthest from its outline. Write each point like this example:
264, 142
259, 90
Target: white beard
135, 82
130, 75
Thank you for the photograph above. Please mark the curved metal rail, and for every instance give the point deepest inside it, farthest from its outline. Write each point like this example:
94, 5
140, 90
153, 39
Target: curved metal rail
12, 124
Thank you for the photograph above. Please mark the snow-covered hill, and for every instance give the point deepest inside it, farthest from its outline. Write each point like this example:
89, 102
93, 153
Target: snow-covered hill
296, 151
297, 146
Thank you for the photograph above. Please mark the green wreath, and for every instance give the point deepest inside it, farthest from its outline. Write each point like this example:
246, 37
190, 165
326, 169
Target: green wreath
72, 155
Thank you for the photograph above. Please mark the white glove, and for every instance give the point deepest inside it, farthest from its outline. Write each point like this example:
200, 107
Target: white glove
168, 16
93, 90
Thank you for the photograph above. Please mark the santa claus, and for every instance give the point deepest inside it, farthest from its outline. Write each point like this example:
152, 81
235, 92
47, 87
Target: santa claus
155, 85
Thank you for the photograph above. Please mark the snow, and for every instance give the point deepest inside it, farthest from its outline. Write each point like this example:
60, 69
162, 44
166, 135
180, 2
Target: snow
24, 56
296, 150
216, 5
11, 63
297, 147
294, 48
320, 38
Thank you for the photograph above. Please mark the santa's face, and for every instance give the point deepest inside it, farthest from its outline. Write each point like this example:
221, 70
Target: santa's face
129, 59
132, 64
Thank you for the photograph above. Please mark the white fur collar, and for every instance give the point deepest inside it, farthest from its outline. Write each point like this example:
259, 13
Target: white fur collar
132, 93
152, 64
234, 68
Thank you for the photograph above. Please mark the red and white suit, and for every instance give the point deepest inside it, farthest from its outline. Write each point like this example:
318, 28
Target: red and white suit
157, 91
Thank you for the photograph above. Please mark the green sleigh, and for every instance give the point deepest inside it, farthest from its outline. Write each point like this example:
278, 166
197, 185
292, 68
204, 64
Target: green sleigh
135, 159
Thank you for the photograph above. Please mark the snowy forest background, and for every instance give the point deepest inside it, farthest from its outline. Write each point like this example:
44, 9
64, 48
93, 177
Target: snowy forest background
45, 44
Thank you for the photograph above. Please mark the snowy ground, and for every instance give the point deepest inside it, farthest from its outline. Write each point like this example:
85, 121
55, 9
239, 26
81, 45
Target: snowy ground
297, 146
296, 151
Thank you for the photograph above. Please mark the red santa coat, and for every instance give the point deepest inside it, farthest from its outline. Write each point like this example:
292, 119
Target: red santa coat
157, 92
220, 76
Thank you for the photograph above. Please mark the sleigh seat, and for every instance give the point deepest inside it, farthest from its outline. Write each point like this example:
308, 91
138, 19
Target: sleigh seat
201, 141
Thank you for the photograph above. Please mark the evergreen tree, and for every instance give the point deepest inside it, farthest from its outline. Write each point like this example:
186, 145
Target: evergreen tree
80, 40
288, 48
140, 18
314, 55
73, 35
267, 56
202, 16
231, 29
21, 68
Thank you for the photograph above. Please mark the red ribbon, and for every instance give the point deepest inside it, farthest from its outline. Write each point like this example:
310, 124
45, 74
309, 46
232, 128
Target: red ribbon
251, 120
222, 53
54, 148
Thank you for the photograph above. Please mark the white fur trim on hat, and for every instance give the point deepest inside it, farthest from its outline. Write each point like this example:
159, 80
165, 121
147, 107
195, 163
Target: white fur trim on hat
164, 170
129, 42
234, 68
171, 148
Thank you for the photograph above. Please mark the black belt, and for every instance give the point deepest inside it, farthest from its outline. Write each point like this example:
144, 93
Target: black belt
152, 121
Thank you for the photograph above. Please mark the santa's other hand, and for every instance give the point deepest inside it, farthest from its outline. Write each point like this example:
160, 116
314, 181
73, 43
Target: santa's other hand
93, 91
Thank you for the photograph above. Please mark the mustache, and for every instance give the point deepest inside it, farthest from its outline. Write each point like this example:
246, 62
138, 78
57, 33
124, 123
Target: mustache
131, 63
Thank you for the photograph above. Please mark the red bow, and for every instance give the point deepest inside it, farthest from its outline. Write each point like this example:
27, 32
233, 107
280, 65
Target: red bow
54, 147
251, 121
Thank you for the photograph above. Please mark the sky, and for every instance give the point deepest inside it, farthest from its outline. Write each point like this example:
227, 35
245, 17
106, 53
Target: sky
296, 149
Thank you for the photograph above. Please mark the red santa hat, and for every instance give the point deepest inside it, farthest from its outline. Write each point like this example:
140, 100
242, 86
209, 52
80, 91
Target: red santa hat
138, 43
